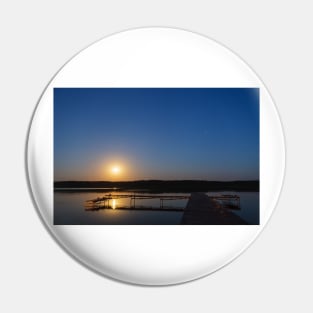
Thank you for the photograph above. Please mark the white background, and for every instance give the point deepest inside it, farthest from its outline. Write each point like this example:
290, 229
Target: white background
275, 273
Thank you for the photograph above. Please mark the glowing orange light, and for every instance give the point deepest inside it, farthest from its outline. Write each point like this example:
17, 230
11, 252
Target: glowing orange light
116, 169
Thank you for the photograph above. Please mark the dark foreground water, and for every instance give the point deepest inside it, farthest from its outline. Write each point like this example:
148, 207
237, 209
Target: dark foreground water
249, 205
69, 209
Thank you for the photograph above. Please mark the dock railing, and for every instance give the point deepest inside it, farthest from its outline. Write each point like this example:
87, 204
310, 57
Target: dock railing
231, 202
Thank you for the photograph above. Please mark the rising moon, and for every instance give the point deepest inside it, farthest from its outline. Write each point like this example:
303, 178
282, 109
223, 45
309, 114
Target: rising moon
115, 170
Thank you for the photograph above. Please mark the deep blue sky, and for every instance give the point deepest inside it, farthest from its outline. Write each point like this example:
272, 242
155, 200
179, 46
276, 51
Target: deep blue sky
156, 133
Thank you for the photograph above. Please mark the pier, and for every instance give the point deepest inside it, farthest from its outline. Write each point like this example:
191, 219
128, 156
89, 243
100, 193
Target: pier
201, 209
107, 202
204, 210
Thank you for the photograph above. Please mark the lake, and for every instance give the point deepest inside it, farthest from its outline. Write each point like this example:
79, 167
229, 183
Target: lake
69, 208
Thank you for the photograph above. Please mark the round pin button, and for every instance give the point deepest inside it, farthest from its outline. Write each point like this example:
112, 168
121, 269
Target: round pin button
155, 156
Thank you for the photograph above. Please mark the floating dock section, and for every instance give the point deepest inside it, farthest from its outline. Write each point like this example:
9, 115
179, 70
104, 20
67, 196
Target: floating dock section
201, 209
106, 202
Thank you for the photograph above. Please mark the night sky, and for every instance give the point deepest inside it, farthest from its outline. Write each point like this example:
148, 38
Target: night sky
156, 133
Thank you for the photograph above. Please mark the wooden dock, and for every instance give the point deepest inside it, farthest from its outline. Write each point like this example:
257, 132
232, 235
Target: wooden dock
204, 210
201, 209
106, 202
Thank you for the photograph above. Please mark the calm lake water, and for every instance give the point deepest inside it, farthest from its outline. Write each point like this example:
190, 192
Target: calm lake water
69, 209
249, 205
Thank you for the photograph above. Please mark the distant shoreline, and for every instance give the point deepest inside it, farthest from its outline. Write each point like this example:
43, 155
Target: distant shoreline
157, 186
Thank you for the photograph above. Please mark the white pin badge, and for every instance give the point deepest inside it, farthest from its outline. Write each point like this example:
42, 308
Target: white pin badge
155, 156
